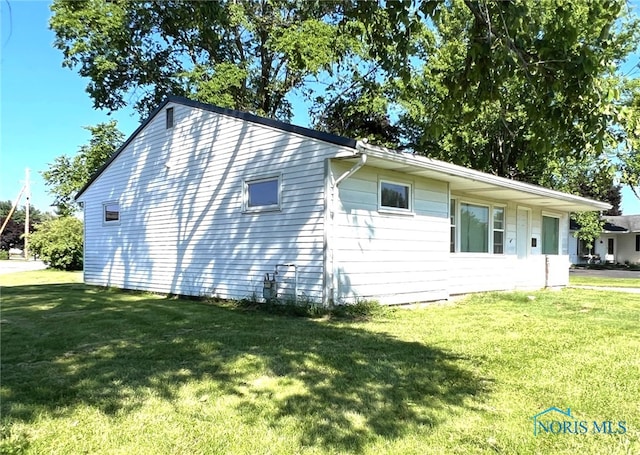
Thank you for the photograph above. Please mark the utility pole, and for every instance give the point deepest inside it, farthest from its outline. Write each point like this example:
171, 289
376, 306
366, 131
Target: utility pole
26, 213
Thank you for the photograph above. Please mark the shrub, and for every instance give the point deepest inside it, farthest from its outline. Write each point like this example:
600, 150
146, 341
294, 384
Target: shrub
308, 308
58, 242
4, 255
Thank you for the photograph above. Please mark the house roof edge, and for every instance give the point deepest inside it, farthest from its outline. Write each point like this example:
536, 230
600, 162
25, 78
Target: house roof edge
307, 132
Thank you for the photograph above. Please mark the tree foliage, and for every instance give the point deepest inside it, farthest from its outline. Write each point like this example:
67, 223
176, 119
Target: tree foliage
590, 227
510, 86
66, 175
246, 55
58, 242
522, 89
13, 234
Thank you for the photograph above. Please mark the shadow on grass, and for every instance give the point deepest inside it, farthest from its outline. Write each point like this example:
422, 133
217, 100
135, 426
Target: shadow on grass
64, 345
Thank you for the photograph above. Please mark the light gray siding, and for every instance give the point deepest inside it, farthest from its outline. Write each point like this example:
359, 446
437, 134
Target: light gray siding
479, 272
390, 257
182, 227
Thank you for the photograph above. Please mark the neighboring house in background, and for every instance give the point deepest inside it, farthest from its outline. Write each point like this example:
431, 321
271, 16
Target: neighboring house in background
206, 201
619, 242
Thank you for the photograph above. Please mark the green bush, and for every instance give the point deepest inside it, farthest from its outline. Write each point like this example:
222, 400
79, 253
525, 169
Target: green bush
58, 243
4, 255
308, 308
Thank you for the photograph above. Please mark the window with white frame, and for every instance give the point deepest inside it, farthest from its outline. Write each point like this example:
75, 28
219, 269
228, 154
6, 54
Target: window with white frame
262, 194
395, 196
452, 222
476, 228
111, 212
550, 234
498, 230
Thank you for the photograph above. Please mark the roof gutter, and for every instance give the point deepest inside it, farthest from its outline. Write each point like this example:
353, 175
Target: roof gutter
455, 170
356, 167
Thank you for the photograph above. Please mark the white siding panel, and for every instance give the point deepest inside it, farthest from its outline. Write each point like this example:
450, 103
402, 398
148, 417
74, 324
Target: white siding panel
485, 272
392, 258
182, 229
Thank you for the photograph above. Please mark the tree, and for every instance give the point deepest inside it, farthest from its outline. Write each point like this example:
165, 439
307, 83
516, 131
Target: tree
13, 234
58, 242
360, 113
66, 176
246, 55
511, 88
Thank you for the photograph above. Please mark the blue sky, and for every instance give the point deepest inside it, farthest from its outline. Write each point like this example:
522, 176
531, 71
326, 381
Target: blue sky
44, 106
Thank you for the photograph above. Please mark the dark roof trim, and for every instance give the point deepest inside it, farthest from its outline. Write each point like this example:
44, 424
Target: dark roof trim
606, 227
611, 227
283, 126
308, 132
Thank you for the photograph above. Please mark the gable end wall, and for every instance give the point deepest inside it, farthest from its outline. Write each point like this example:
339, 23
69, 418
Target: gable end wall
182, 227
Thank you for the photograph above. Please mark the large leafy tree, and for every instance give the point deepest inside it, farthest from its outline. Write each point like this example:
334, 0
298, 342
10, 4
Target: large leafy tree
508, 87
523, 89
67, 175
247, 55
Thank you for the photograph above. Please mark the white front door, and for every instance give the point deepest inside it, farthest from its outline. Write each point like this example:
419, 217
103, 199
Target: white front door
610, 245
522, 233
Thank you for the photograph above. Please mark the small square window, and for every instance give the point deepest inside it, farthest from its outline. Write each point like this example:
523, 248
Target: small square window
111, 212
262, 194
169, 114
395, 196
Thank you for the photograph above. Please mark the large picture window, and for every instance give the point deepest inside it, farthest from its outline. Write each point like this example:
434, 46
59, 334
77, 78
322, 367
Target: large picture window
262, 194
395, 196
474, 228
550, 235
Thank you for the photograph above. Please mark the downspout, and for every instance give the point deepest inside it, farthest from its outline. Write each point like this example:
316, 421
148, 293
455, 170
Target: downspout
360, 149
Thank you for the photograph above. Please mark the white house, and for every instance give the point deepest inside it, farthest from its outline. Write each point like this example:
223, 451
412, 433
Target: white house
618, 243
206, 201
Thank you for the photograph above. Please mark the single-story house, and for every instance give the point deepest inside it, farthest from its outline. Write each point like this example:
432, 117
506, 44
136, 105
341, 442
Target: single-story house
208, 201
618, 243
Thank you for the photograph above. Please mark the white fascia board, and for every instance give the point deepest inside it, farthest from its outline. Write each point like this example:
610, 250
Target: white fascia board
454, 170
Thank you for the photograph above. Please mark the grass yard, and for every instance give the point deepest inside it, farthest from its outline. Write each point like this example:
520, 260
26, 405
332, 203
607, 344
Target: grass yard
604, 281
101, 371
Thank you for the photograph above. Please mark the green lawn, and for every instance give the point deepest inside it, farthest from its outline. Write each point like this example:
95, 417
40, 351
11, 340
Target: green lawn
604, 281
101, 371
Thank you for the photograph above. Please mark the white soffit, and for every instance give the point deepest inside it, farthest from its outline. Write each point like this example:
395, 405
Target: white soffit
477, 184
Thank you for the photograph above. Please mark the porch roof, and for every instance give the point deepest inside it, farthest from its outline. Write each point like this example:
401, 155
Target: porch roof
474, 183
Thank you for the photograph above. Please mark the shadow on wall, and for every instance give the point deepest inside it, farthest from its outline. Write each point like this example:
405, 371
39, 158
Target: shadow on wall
343, 385
188, 234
